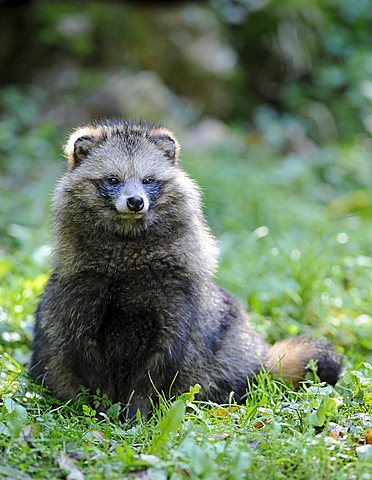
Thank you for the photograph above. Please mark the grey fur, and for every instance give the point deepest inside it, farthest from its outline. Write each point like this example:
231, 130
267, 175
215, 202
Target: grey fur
132, 298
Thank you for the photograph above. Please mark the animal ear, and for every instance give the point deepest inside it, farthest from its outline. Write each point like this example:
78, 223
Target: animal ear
167, 142
80, 144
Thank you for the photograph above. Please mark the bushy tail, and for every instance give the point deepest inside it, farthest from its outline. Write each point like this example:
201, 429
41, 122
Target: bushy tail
289, 358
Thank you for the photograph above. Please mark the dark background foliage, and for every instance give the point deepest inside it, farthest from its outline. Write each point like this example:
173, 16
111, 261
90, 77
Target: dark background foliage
225, 58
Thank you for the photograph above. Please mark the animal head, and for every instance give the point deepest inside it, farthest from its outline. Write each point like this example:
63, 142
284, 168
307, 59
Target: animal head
125, 176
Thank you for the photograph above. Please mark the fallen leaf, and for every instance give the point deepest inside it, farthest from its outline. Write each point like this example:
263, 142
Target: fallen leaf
336, 431
368, 436
225, 412
357, 440
73, 471
99, 435
150, 459
261, 423
218, 436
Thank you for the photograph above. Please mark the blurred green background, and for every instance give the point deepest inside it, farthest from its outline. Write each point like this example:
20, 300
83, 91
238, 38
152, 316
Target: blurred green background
272, 103
182, 61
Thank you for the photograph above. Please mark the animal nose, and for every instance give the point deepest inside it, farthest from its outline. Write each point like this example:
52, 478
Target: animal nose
135, 203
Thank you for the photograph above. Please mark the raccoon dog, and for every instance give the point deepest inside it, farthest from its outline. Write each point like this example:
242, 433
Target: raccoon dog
131, 300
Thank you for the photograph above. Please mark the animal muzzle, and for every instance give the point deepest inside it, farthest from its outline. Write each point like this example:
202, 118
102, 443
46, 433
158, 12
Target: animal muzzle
134, 204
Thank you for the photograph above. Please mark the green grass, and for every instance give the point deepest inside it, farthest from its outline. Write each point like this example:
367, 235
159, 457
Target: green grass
296, 246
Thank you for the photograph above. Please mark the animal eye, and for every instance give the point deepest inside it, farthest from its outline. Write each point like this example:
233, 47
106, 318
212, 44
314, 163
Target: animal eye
113, 181
148, 180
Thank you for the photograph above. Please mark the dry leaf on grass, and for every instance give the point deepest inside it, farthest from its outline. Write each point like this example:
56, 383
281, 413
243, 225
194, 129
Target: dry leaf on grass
99, 435
150, 459
261, 423
225, 412
218, 436
334, 435
336, 431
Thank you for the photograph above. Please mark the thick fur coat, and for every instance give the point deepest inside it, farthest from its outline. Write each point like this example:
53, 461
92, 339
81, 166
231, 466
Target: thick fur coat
131, 300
